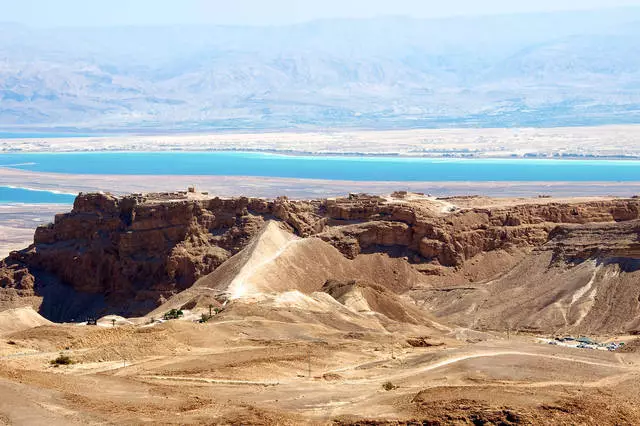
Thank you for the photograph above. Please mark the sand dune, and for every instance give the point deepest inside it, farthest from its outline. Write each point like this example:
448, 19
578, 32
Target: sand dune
276, 262
14, 320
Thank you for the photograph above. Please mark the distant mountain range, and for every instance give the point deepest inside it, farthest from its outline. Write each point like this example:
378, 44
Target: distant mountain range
569, 68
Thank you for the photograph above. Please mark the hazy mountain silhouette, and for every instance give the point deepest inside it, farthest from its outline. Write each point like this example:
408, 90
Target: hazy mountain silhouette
543, 69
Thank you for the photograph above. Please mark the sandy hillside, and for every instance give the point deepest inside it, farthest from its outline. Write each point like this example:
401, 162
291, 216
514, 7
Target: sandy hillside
576, 283
277, 261
13, 320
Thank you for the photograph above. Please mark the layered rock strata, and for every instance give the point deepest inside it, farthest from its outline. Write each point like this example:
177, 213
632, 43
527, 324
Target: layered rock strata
139, 250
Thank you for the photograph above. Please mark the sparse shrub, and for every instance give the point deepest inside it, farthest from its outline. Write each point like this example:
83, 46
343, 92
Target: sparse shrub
388, 386
204, 318
422, 342
62, 360
11, 342
173, 314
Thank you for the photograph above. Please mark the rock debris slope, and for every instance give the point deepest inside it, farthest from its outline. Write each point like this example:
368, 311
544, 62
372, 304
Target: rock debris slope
280, 271
586, 279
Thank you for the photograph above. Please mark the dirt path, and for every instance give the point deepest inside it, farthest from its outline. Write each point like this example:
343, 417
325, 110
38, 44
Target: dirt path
449, 361
22, 405
214, 381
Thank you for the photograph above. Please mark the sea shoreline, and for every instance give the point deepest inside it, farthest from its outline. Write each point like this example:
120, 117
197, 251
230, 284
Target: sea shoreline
310, 154
615, 142
269, 187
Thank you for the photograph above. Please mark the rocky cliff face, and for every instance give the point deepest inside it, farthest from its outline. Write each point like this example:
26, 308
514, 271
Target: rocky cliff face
584, 280
138, 250
452, 238
142, 248
576, 243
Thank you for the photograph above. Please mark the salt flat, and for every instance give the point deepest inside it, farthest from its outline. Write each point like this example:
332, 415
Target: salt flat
18, 222
619, 141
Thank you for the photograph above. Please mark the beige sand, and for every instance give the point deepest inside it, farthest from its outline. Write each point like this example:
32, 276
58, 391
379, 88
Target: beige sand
602, 141
19, 319
256, 371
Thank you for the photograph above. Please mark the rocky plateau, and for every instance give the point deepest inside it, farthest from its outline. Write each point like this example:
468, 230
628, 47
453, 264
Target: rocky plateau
129, 255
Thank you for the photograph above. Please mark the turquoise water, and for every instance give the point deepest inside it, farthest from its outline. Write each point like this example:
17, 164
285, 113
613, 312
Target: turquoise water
40, 135
332, 168
22, 195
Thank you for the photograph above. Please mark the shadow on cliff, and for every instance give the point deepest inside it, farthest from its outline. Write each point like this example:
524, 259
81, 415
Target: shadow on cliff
626, 264
61, 303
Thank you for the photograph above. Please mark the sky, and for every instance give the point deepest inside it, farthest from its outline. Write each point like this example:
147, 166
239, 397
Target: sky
55, 13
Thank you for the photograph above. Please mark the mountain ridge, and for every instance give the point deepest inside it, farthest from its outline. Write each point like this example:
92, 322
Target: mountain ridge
376, 73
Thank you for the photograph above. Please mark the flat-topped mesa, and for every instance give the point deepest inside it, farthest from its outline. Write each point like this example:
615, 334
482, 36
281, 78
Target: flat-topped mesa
144, 248
450, 235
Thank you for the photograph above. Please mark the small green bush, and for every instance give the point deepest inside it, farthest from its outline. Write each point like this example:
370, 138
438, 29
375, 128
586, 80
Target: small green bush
173, 314
62, 360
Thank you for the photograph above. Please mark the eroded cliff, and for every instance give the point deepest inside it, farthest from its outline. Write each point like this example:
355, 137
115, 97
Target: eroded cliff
129, 254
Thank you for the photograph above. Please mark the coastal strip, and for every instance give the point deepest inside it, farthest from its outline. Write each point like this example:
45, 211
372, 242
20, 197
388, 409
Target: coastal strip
601, 142
230, 186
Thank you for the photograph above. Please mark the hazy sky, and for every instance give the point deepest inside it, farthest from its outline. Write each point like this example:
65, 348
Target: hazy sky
262, 12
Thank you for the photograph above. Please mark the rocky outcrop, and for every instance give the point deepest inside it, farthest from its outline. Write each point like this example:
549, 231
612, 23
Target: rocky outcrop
576, 243
145, 248
16, 276
451, 239
583, 280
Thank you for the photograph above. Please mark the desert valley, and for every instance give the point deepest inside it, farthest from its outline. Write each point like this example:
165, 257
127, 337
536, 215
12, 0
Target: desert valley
286, 212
